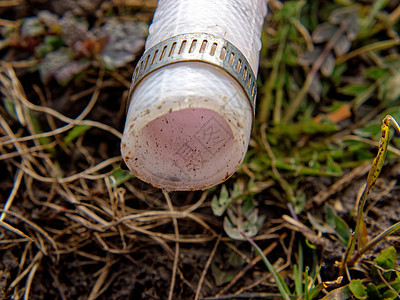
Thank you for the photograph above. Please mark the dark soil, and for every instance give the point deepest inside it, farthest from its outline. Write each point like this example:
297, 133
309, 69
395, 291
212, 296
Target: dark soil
70, 239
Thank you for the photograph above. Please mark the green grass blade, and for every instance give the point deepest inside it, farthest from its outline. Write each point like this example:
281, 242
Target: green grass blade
283, 288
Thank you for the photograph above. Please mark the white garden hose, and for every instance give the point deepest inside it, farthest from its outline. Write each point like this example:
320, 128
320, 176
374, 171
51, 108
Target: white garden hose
191, 104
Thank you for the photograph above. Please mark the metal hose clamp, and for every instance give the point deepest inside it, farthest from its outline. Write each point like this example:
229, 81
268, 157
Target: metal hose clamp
200, 47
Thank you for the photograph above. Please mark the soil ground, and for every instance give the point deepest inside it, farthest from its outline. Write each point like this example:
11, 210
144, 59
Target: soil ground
85, 236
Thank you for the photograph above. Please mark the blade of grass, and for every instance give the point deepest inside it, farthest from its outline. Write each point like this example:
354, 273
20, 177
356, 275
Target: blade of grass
74, 133
298, 272
381, 45
265, 103
315, 289
368, 24
279, 95
283, 288
306, 283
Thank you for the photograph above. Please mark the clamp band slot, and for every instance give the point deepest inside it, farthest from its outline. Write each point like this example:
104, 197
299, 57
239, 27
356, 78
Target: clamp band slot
200, 47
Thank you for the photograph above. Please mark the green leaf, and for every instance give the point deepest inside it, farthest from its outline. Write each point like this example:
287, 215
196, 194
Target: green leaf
333, 166
237, 191
74, 133
221, 276
338, 73
9, 105
389, 294
219, 204
289, 10
342, 293
38, 129
54, 41
298, 279
314, 291
50, 43
375, 73
373, 292
248, 205
372, 129
343, 230
306, 126
250, 224
387, 258
358, 289
396, 283
120, 176
282, 286
368, 22
362, 235
355, 89
340, 226
43, 49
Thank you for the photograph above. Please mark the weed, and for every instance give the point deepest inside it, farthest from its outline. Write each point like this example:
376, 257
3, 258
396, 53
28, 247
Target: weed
384, 264
329, 74
66, 47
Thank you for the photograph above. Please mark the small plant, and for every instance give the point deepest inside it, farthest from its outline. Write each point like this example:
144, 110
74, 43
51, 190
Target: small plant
360, 236
383, 266
306, 288
241, 212
66, 46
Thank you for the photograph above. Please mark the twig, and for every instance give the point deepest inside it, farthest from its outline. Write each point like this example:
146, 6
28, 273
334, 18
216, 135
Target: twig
207, 265
13, 193
30, 279
176, 258
20, 98
95, 292
247, 268
8, 3
15, 230
29, 150
38, 229
37, 258
87, 174
323, 195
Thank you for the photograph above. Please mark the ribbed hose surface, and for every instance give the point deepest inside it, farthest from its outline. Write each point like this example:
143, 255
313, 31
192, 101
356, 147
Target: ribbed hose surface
238, 21
188, 124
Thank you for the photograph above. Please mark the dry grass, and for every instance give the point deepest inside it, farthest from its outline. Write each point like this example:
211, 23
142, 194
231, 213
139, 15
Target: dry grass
72, 226
51, 213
